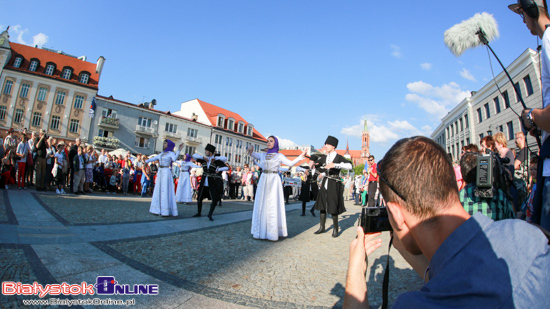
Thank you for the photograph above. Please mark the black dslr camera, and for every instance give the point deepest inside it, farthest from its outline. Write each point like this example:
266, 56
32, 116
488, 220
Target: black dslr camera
375, 219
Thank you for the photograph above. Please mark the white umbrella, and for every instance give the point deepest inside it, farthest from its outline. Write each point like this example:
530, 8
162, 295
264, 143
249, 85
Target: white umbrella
120, 151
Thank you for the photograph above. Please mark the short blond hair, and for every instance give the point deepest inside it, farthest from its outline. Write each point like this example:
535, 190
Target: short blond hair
501, 139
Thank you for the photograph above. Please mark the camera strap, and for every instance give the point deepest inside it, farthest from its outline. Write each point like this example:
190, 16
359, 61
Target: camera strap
386, 279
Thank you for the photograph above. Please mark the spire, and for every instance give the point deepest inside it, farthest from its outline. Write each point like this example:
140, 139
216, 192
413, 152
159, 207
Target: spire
365, 127
347, 146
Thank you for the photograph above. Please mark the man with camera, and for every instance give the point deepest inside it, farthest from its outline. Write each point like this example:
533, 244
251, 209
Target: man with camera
40, 165
497, 207
467, 261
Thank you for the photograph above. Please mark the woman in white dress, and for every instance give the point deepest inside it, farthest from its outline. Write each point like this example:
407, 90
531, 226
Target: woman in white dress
163, 202
184, 192
268, 216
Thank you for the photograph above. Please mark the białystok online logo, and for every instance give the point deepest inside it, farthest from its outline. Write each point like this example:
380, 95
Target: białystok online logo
105, 285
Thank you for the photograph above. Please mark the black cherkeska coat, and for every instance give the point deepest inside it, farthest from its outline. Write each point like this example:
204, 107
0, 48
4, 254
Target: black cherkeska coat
331, 199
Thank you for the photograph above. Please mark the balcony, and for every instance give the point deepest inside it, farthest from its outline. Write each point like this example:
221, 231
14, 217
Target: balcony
107, 142
108, 122
193, 140
171, 135
145, 130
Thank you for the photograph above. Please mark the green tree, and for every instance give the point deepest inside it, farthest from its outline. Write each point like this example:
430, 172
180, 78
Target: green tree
359, 169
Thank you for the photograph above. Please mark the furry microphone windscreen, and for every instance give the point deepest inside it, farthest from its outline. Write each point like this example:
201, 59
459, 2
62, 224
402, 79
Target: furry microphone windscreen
463, 36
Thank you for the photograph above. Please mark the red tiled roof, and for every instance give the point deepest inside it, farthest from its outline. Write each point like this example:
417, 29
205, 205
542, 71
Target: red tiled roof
292, 154
60, 60
212, 112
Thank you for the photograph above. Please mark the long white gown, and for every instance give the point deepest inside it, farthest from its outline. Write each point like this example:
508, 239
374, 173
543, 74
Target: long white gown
184, 192
269, 214
164, 200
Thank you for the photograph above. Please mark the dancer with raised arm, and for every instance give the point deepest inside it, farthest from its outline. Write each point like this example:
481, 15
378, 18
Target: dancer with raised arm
184, 192
331, 193
268, 216
211, 180
163, 202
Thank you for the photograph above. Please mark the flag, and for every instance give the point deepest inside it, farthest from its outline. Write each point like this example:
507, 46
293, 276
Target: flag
92, 108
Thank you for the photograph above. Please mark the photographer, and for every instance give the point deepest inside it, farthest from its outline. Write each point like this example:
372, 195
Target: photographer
497, 208
468, 261
41, 146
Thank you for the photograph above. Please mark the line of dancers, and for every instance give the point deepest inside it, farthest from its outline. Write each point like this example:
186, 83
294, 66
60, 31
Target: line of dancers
269, 214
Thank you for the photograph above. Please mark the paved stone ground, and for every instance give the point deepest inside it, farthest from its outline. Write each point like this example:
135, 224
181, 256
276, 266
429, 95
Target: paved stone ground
196, 263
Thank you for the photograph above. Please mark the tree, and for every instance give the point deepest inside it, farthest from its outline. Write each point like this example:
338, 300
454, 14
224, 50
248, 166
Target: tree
359, 169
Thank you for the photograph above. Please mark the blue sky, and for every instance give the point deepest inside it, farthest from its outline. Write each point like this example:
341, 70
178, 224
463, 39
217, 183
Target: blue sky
299, 69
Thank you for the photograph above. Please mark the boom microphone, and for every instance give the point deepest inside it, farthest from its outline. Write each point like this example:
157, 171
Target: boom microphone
471, 33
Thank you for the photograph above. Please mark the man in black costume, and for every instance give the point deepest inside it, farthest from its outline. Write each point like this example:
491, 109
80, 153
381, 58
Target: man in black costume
331, 193
211, 181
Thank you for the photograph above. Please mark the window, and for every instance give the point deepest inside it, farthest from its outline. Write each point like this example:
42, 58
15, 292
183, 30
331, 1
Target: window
73, 126
256, 148
190, 150
497, 105
456, 127
528, 85
228, 141
467, 141
33, 66
142, 142
220, 121
506, 99
17, 62
54, 125
107, 112
50, 68
3, 110
24, 90
518, 92
170, 127
18, 118
78, 101
60, 99
250, 130
7, 87
241, 127
218, 139
67, 73
193, 133
447, 130
239, 144
452, 130
466, 121
480, 137
36, 119
228, 157
231, 125
144, 122
487, 111
461, 125
42, 94
104, 133
510, 130
479, 116
84, 77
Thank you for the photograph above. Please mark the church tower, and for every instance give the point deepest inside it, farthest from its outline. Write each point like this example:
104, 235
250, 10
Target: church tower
365, 145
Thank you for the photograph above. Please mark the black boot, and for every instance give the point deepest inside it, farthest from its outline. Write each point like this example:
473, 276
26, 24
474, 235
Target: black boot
312, 210
212, 207
323, 218
199, 210
303, 209
335, 230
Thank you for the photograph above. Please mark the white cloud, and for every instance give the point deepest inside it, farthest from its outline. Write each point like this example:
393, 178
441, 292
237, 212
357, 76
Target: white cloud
436, 101
426, 66
286, 143
382, 131
38, 40
467, 75
396, 51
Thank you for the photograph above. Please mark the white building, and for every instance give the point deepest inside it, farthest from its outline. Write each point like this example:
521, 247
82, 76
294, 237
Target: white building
231, 133
45, 89
493, 108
